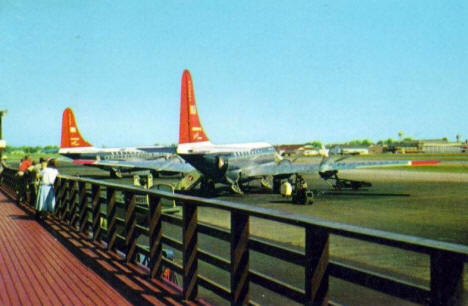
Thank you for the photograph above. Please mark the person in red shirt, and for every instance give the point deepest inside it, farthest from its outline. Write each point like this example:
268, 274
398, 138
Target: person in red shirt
25, 164
23, 178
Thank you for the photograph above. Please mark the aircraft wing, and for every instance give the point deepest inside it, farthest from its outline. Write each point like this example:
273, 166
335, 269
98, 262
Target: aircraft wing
287, 167
284, 167
372, 164
172, 164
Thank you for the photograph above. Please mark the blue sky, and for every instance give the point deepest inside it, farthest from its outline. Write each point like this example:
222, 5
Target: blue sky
275, 71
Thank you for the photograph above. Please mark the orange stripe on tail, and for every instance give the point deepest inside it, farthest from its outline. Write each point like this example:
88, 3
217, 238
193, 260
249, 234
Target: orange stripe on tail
71, 137
190, 129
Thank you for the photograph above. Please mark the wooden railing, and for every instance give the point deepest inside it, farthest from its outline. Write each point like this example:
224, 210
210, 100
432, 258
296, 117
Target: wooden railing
108, 213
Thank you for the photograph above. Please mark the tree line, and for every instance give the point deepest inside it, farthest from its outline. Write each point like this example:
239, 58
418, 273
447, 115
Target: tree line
31, 149
362, 143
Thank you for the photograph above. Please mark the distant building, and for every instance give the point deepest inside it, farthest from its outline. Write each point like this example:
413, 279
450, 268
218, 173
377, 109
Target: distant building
426, 146
406, 146
440, 146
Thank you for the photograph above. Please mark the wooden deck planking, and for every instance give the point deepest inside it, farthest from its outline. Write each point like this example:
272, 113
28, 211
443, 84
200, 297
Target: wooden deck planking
134, 277
17, 271
51, 263
42, 262
39, 264
36, 269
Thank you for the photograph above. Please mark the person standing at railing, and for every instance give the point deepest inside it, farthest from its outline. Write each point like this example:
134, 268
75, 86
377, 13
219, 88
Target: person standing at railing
25, 164
35, 178
23, 178
45, 201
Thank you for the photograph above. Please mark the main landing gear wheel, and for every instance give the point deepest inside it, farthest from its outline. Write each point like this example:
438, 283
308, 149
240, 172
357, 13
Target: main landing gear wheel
115, 173
276, 185
296, 188
303, 197
208, 187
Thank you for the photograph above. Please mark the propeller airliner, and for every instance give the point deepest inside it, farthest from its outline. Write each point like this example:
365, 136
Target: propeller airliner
235, 164
158, 159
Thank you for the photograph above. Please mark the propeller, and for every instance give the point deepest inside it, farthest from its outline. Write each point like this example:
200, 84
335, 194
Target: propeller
327, 160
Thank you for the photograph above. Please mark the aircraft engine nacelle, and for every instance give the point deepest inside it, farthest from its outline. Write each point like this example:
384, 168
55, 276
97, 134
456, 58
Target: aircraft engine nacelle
216, 165
221, 164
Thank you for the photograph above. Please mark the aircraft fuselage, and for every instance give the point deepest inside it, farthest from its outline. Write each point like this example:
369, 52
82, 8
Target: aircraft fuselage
226, 164
140, 153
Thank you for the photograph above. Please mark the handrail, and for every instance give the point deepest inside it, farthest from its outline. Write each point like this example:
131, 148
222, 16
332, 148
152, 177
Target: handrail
403, 241
83, 203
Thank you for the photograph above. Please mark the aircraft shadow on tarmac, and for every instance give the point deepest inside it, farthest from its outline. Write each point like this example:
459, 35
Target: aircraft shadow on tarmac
324, 194
362, 194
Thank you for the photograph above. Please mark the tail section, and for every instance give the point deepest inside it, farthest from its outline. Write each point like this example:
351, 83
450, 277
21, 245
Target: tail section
190, 129
71, 137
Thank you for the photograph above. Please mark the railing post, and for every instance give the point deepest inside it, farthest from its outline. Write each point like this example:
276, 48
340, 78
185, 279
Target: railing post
32, 191
80, 206
239, 259
60, 193
190, 249
447, 271
65, 200
17, 189
316, 263
84, 212
29, 187
155, 235
73, 203
130, 226
96, 205
111, 217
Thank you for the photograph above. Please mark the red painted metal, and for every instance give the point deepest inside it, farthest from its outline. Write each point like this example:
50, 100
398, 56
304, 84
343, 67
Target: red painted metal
424, 162
190, 129
71, 136
84, 161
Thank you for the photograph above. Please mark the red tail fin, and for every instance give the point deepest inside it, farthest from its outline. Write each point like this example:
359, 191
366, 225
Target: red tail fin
71, 137
190, 129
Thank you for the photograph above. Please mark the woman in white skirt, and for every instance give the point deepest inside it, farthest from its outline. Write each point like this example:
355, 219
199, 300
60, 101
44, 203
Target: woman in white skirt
45, 200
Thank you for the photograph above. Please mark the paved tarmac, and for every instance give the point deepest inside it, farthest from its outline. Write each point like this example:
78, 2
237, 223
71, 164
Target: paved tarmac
427, 204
